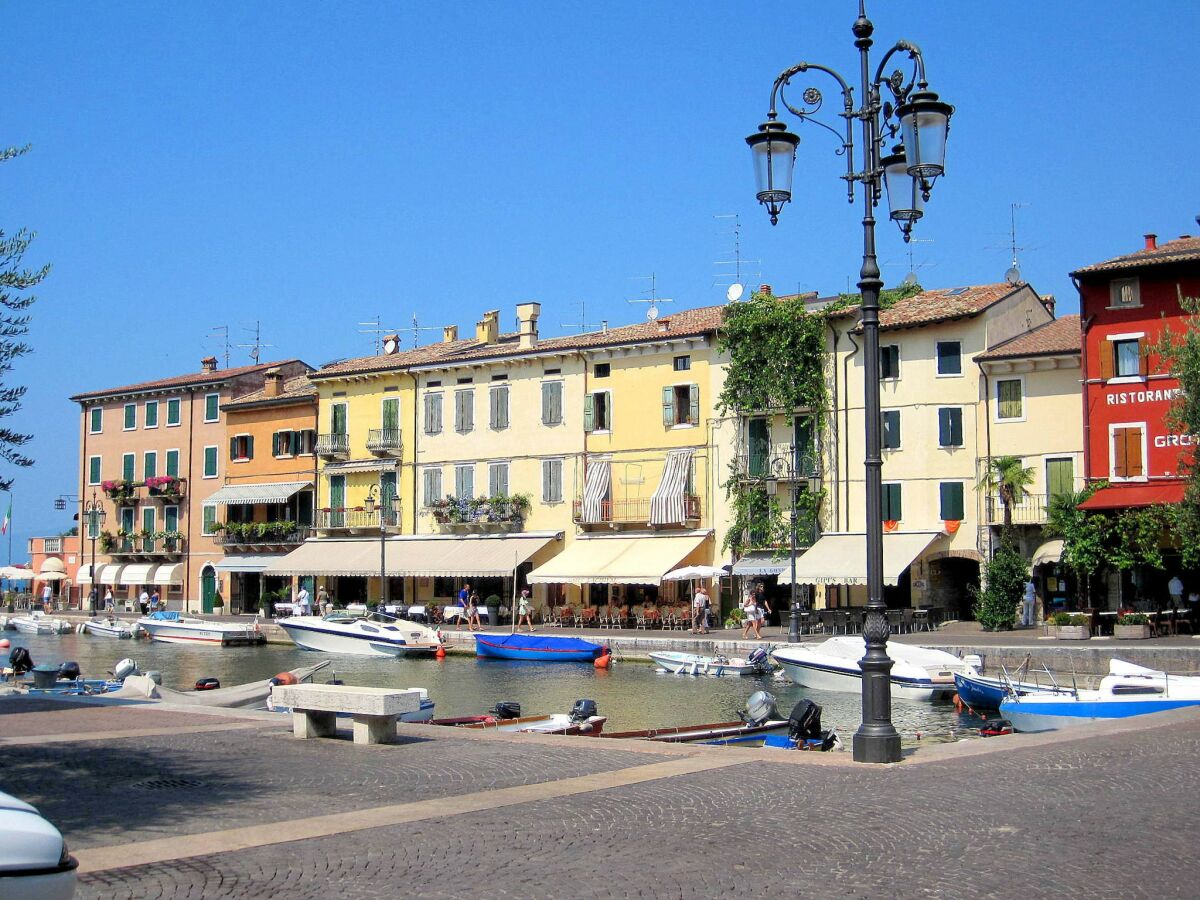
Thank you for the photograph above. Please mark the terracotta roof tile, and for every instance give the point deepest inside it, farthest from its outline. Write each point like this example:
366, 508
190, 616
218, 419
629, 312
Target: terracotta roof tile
182, 381
296, 388
1054, 338
1184, 249
938, 305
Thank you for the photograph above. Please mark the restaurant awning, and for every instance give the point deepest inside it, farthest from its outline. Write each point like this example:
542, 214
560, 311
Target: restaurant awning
842, 558
135, 573
251, 562
1119, 496
467, 556
761, 562
168, 574
359, 465
240, 494
84, 575
1049, 552
625, 560
110, 573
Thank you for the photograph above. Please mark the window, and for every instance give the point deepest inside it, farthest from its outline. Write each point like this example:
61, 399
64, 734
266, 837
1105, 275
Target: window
433, 413
601, 370
683, 363
498, 479
552, 402
889, 361
337, 418
681, 405
95, 420
172, 466
210, 461
466, 379
170, 518
464, 482
464, 411
1127, 358
950, 427
173, 407
127, 466
499, 406
1128, 451
93, 470
1060, 477
209, 518
890, 438
283, 443
151, 413
130, 417
432, 482
949, 358
1010, 394
389, 417
804, 439
212, 411
597, 411
951, 501
241, 448
150, 464
892, 511
552, 470
1124, 293
308, 441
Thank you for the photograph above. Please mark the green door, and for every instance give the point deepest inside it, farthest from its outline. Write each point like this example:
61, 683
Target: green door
208, 589
337, 501
1060, 477
805, 462
759, 446
387, 498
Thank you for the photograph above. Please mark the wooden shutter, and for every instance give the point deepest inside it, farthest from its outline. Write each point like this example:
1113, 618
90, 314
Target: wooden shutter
1133, 452
589, 412
391, 414
694, 404
668, 406
250, 447
233, 448
1106, 360
1120, 462
1143, 357
944, 428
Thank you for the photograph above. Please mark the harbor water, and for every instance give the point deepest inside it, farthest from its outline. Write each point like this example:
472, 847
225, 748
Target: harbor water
633, 694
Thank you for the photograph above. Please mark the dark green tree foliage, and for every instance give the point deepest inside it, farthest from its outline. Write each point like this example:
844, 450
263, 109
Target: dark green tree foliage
14, 325
1004, 575
1179, 354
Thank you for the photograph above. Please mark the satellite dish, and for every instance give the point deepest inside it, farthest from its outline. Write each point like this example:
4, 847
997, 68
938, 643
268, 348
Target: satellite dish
734, 294
391, 345
910, 279
1013, 275
652, 312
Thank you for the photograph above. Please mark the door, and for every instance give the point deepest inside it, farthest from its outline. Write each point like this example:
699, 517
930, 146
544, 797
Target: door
805, 463
337, 501
147, 529
391, 419
1060, 477
387, 498
208, 589
758, 440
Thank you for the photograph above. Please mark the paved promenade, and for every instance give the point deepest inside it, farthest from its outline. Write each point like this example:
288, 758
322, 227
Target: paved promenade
162, 803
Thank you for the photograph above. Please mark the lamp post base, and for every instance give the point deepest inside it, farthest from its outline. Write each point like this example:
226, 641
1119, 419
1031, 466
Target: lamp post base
877, 744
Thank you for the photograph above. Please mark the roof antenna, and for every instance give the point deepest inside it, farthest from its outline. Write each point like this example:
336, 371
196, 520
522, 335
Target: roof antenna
376, 329
583, 325
910, 278
1013, 275
732, 281
415, 329
258, 346
222, 332
653, 300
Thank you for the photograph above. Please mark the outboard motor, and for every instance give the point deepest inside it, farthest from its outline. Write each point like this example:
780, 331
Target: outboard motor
760, 708
20, 661
507, 709
804, 728
69, 670
758, 658
124, 669
583, 710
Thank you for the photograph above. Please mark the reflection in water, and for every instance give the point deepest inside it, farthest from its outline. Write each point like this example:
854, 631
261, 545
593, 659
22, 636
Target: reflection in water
632, 694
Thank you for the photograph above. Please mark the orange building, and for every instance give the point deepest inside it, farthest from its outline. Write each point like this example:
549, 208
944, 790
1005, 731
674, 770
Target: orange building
56, 561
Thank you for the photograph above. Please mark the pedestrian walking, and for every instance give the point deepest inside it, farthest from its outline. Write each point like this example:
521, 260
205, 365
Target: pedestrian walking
700, 607
109, 605
323, 603
763, 604
464, 597
47, 598
92, 601
1028, 604
473, 613
525, 610
1175, 589
144, 602
303, 606
751, 616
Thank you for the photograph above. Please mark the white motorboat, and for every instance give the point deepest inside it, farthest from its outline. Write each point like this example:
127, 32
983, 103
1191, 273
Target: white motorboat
678, 663
360, 635
108, 626
172, 628
918, 673
37, 622
1127, 690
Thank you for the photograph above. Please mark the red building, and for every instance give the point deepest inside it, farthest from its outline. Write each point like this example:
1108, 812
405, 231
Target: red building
1126, 304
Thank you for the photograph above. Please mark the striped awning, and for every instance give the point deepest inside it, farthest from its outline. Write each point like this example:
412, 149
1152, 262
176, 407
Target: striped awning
168, 574
136, 573
595, 489
761, 562
359, 465
467, 556
110, 573
667, 506
266, 492
625, 560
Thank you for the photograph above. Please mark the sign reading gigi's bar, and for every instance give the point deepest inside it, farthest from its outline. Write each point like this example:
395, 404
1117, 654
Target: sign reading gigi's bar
1152, 395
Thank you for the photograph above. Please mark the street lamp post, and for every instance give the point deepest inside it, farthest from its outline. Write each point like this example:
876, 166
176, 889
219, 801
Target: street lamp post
921, 121
386, 506
94, 516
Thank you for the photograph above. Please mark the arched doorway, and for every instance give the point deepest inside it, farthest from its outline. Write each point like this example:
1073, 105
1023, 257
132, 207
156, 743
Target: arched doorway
950, 581
208, 588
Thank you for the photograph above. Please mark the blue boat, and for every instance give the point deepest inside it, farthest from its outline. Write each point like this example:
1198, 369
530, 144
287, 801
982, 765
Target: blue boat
981, 692
539, 647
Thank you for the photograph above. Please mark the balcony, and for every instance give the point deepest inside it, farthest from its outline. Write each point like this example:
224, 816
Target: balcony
129, 548
480, 515
166, 488
356, 519
635, 511
782, 462
333, 446
260, 535
1032, 509
384, 441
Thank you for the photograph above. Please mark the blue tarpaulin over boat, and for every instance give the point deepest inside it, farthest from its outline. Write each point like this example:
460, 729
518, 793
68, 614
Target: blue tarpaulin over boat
530, 646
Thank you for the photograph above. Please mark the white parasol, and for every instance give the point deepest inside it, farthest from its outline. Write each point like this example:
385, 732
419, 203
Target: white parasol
692, 573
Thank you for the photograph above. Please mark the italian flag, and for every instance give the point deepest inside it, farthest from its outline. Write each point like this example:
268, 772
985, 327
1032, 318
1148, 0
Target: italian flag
7, 519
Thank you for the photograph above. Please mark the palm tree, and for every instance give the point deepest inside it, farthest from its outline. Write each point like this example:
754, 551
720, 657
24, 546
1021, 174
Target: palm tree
1008, 478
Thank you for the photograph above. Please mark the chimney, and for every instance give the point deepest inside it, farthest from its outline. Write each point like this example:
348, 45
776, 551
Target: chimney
1048, 302
765, 289
487, 329
449, 334
1152, 242
527, 318
273, 383
664, 325
391, 343
208, 364
604, 326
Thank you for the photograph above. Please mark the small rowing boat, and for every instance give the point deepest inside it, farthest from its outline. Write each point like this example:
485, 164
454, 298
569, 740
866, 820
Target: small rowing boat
539, 647
582, 719
679, 663
107, 626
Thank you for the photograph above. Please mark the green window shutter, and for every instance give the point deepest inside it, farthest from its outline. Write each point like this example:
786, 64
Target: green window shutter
668, 406
233, 448
173, 463
171, 518
150, 465
97, 419
148, 518
589, 412
694, 404
127, 467
951, 497
211, 401
949, 427
250, 447
391, 414
892, 511
210, 519
94, 470
956, 427
152, 414
173, 412
210, 462
275, 443
130, 416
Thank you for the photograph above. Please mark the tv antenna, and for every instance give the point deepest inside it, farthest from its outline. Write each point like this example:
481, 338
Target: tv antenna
732, 280
583, 324
414, 329
375, 328
222, 332
653, 300
258, 346
911, 278
1013, 275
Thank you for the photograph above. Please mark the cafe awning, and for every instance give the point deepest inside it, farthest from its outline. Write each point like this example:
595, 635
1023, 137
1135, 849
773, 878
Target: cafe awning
168, 574
1120, 496
135, 573
466, 556
110, 573
84, 575
842, 558
250, 562
243, 494
624, 560
1049, 552
761, 562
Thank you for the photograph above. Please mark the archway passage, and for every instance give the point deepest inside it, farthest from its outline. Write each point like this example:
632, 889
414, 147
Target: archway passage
950, 580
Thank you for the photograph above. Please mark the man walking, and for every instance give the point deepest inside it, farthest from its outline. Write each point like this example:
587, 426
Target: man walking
700, 607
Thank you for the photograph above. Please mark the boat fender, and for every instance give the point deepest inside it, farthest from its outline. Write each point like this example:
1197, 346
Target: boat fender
603, 662
285, 678
81, 628
439, 653
209, 684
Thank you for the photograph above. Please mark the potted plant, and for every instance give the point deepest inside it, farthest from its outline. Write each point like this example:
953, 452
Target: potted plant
1132, 627
107, 541
734, 619
1071, 626
218, 603
492, 602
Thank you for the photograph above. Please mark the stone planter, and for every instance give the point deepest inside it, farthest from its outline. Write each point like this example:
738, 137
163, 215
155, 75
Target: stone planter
1131, 632
1072, 632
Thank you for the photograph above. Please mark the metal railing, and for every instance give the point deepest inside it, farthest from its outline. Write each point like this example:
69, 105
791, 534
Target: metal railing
356, 519
383, 440
780, 461
133, 546
333, 445
633, 511
1032, 509
253, 539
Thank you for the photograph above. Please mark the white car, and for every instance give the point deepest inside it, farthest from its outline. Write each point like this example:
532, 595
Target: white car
34, 862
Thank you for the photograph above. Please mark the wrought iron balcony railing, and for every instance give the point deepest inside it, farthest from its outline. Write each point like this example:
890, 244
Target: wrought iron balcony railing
333, 445
779, 461
356, 519
249, 537
384, 440
634, 511
1032, 509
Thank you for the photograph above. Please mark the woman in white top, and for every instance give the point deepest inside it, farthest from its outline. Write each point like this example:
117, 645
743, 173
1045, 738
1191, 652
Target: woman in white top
752, 616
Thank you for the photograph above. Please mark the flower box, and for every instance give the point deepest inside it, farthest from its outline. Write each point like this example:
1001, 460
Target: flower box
1072, 632
1131, 632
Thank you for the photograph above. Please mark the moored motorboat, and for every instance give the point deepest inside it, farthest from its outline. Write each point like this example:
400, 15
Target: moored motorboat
984, 692
172, 628
108, 626
360, 635
679, 663
536, 647
758, 720
582, 719
918, 673
1128, 690
37, 622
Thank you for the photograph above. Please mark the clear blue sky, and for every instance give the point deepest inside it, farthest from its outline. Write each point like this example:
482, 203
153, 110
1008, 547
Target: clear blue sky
313, 164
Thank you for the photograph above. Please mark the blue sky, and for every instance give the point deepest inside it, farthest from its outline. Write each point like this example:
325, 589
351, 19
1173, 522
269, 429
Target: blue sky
313, 165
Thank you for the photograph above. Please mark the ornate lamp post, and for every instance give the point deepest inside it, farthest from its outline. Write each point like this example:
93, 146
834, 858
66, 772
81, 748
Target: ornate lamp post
921, 121
94, 515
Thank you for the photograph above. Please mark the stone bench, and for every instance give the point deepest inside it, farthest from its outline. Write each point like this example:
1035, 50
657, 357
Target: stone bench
373, 710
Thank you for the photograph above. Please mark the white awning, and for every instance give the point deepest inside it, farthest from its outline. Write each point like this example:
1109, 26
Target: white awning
84, 575
136, 573
168, 574
842, 558
266, 492
467, 556
251, 562
359, 465
762, 562
1049, 552
627, 560
110, 573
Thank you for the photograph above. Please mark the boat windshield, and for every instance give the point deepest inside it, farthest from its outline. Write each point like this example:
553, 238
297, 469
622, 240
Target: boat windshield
341, 617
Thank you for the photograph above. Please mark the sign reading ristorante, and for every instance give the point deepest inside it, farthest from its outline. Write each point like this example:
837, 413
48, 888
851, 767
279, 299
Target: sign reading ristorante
1149, 395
